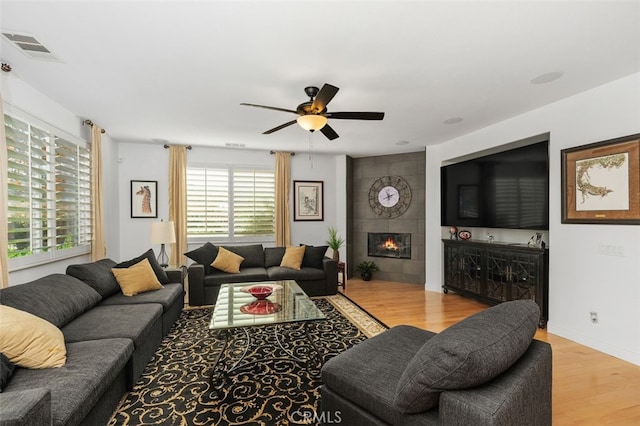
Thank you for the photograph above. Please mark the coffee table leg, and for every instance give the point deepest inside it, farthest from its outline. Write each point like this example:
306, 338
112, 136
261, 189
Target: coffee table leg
218, 378
305, 324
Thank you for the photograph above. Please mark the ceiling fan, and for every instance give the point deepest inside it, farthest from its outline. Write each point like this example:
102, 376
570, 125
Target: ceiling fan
313, 114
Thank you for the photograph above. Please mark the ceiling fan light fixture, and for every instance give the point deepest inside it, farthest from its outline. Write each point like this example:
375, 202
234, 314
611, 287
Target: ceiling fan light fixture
312, 122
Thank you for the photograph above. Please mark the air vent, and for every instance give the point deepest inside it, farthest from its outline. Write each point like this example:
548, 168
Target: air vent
30, 46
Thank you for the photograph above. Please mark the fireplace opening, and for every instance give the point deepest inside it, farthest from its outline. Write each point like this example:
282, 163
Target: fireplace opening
394, 245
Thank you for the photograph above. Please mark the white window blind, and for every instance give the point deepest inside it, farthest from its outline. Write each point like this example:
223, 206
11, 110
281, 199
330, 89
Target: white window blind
230, 203
49, 193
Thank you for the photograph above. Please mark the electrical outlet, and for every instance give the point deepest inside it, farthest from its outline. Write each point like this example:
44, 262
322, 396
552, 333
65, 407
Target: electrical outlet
594, 317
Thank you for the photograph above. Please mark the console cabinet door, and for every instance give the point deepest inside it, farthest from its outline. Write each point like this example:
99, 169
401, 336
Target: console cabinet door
512, 275
463, 268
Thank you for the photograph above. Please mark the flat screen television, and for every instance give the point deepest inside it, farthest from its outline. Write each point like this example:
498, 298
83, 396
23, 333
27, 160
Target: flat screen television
508, 190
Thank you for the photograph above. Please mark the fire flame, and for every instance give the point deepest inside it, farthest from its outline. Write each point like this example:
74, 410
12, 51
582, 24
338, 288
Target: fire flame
390, 244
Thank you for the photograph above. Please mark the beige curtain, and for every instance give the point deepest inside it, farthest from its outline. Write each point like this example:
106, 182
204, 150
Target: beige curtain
4, 229
98, 246
283, 176
178, 202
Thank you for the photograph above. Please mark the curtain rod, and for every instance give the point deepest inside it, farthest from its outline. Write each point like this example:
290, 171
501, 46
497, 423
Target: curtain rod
90, 123
167, 146
273, 152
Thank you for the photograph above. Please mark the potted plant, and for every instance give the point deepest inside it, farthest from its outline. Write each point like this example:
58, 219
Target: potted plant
335, 241
366, 269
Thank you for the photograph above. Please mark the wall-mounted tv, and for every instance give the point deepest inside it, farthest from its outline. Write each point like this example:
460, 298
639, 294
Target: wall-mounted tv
508, 190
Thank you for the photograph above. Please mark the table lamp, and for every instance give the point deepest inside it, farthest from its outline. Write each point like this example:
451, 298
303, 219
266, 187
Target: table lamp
163, 233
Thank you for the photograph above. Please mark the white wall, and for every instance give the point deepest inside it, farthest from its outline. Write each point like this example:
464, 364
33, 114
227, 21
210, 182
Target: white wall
581, 280
145, 161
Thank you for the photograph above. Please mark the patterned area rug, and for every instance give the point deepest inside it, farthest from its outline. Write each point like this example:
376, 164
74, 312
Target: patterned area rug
271, 387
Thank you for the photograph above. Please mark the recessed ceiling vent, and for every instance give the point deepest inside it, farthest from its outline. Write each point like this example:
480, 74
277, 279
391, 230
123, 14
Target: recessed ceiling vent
30, 46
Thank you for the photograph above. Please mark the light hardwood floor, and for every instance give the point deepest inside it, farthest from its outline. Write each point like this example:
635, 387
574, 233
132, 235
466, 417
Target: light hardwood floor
589, 387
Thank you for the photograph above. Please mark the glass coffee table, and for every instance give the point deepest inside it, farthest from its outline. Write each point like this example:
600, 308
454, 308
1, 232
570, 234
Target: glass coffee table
237, 314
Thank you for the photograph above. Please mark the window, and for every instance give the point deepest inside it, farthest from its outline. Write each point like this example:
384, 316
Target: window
49, 193
231, 203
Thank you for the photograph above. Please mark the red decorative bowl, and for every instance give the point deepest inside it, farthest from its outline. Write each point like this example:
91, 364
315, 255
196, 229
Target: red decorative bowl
260, 307
260, 292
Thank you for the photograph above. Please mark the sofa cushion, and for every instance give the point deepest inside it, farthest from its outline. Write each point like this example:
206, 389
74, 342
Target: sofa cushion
151, 257
227, 261
57, 298
166, 296
6, 370
77, 386
135, 322
138, 278
273, 256
367, 373
253, 254
293, 257
304, 274
245, 275
98, 275
467, 354
313, 256
29, 341
204, 256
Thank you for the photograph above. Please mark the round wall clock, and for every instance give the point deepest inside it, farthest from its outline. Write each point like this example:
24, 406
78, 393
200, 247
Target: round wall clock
390, 196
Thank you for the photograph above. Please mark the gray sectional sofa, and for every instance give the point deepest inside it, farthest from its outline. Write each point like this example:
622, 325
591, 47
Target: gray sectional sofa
318, 275
484, 370
109, 340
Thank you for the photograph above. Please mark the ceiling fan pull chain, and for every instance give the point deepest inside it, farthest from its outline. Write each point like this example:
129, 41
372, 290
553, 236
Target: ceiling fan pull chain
311, 148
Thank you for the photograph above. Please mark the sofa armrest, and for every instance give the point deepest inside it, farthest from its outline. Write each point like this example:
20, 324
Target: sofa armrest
330, 268
176, 275
26, 407
195, 280
521, 395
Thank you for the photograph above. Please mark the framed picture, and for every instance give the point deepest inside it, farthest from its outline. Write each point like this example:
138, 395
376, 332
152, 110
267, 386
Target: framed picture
601, 182
144, 198
308, 200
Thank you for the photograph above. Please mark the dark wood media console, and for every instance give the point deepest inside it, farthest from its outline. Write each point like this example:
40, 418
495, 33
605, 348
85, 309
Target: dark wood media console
498, 272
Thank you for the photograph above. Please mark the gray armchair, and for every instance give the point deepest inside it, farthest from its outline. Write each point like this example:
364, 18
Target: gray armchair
485, 370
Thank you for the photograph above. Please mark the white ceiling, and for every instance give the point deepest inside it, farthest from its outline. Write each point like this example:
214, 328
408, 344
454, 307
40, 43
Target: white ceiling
174, 71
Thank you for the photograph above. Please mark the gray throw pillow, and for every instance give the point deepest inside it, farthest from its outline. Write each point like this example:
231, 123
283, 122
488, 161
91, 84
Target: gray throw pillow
253, 255
97, 275
313, 256
157, 269
273, 256
467, 354
204, 256
6, 370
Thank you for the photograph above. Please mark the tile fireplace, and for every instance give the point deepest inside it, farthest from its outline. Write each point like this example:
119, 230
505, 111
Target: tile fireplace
385, 244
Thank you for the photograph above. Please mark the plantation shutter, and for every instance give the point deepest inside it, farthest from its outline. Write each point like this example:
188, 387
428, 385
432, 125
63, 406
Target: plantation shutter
253, 202
73, 194
230, 203
48, 193
29, 182
208, 202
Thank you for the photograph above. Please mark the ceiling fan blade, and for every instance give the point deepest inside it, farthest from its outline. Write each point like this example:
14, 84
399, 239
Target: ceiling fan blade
329, 132
269, 107
280, 127
356, 115
323, 97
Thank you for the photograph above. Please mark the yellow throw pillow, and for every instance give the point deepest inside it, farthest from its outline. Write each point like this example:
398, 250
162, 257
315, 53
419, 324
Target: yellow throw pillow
30, 341
227, 261
137, 278
293, 257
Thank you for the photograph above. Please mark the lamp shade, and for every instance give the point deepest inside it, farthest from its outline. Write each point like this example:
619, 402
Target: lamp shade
312, 122
163, 233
